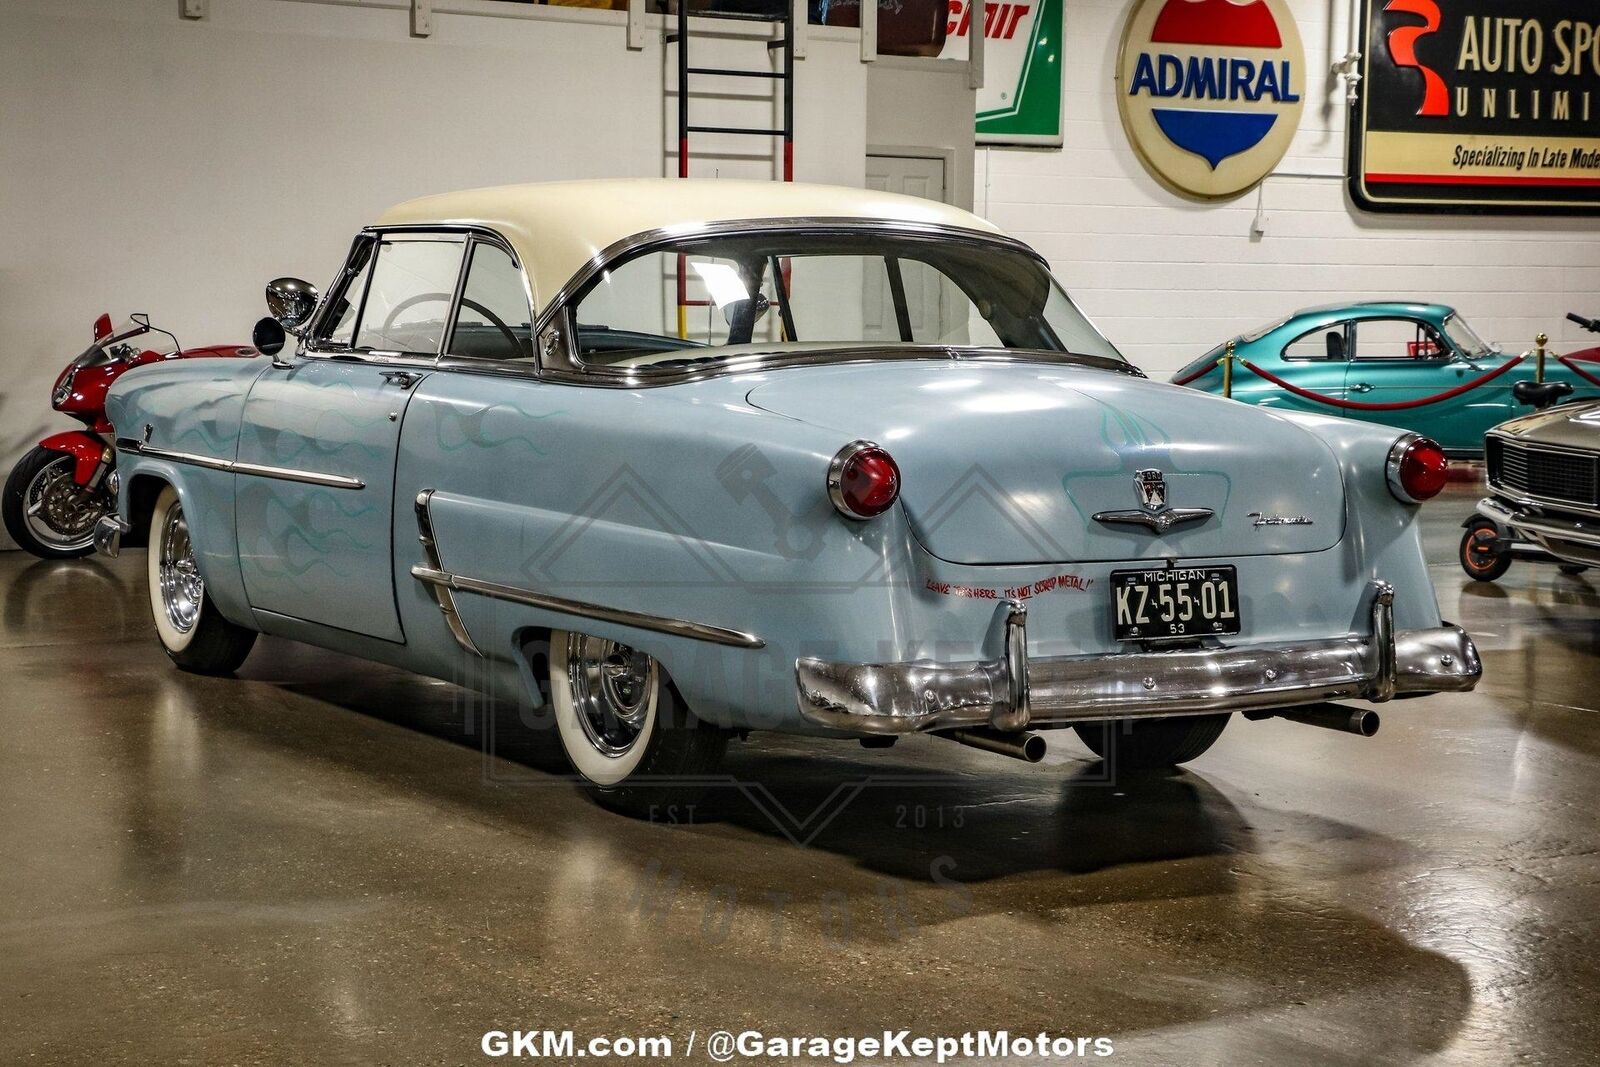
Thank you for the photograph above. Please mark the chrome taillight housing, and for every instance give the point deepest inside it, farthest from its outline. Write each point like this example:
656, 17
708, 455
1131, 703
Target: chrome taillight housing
1417, 469
863, 480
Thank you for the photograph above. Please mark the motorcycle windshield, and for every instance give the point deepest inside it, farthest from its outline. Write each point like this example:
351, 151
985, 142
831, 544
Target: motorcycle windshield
115, 346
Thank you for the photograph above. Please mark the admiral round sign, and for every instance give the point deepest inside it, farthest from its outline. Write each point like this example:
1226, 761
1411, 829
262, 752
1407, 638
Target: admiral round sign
1210, 91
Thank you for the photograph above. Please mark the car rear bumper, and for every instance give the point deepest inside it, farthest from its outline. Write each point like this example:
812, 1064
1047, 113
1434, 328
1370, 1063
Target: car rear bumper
1564, 536
1014, 691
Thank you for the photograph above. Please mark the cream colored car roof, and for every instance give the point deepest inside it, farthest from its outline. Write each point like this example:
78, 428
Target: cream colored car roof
557, 227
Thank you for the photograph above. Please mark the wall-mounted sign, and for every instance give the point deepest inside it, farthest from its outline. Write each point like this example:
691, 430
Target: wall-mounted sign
1478, 105
1210, 91
1020, 102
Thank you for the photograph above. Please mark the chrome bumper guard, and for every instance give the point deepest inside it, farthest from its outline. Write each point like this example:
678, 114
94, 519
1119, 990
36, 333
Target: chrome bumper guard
1541, 528
1013, 691
108, 534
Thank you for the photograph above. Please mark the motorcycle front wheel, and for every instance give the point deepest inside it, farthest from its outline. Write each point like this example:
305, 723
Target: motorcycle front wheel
46, 512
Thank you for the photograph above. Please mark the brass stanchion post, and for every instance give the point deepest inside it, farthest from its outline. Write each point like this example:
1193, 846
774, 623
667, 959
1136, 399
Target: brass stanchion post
1538, 367
1227, 372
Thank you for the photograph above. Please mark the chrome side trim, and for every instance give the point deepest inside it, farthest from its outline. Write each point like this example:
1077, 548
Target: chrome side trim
441, 593
896, 698
229, 466
513, 595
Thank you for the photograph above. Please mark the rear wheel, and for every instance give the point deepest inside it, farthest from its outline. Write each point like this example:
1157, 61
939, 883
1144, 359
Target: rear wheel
194, 634
1480, 558
46, 512
1145, 744
625, 728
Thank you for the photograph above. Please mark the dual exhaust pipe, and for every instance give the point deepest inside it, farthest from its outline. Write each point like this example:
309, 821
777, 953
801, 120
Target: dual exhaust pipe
1030, 747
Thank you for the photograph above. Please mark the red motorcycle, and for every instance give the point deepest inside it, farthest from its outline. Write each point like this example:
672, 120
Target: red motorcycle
60, 488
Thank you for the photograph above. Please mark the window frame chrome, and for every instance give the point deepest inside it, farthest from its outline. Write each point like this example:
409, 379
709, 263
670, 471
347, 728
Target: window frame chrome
468, 236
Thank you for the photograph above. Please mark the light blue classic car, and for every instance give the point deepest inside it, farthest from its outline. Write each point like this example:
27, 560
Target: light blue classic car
1386, 360
676, 460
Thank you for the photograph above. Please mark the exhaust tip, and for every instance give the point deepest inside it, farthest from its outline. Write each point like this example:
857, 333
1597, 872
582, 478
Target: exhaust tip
1365, 722
1033, 746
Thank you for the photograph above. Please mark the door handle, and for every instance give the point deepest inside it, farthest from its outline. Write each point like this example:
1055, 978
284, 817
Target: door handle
1362, 387
403, 378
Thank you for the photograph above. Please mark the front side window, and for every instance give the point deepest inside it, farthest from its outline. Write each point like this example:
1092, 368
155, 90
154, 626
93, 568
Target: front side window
1397, 339
716, 298
493, 321
408, 299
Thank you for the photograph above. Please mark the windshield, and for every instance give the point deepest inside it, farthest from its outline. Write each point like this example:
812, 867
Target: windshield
1465, 337
128, 338
711, 299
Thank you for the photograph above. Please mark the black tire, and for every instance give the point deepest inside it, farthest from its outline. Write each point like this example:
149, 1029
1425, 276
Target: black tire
13, 508
1481, 562
679, 751
1572, 568
1148, 744
196, 638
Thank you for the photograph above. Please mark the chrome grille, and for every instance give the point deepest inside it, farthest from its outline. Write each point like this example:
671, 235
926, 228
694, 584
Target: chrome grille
1569, 477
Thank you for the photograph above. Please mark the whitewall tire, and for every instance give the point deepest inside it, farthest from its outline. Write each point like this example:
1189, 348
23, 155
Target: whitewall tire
194, 634
624, 727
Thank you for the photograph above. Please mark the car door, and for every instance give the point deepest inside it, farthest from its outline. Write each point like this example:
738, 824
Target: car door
1314, 360
317, 454
1403, 360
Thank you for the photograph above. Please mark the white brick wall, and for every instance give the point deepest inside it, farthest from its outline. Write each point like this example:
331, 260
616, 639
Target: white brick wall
1168, 278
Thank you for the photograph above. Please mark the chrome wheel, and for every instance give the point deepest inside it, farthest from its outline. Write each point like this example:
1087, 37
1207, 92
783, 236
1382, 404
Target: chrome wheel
58, 511
613, 688
183, 591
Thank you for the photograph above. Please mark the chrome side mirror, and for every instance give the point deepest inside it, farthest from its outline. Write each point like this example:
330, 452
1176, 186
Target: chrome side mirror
291, 302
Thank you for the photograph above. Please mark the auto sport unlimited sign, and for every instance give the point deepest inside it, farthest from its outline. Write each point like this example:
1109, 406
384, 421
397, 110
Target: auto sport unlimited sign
1210, 91
1020, 102
1478, 105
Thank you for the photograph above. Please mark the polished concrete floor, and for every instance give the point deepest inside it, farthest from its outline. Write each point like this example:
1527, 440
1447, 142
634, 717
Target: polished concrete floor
318, 862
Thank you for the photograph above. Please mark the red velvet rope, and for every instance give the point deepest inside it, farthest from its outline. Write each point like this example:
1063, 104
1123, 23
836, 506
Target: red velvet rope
1393, 405
1572, 362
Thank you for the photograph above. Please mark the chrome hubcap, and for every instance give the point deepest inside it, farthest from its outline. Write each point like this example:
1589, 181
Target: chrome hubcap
183, 591
613, 688
58, 511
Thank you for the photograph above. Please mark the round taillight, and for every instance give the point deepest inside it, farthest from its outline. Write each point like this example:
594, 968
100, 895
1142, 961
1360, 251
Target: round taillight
863, 480
1418, 469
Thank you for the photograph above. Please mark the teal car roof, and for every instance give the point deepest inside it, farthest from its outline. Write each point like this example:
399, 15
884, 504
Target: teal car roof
1373, 309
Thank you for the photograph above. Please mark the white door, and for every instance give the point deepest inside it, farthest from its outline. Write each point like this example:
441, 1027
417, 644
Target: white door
912, 176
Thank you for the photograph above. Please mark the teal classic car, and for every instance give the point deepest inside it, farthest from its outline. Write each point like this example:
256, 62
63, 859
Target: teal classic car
668, 462
1383, 362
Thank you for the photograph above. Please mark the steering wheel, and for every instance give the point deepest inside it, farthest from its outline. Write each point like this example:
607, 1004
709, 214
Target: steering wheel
466, 301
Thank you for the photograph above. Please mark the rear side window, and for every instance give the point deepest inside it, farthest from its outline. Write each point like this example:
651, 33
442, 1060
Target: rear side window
1326, 343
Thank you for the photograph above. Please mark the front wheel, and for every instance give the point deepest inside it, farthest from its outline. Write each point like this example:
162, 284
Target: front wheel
194, 634
1146, 744
1480, 558
46, 512
625, 728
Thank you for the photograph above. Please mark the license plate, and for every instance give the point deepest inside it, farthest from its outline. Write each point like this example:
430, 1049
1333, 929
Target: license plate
1183, 602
